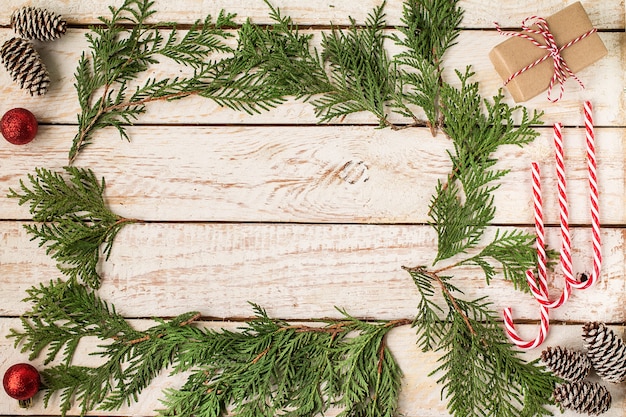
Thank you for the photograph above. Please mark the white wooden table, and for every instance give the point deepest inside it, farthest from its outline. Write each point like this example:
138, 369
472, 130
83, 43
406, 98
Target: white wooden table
300, 217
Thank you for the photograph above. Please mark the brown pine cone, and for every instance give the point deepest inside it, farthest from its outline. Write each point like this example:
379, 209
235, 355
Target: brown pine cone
25, 66
606, 352
38, 24
565, 363
583, 397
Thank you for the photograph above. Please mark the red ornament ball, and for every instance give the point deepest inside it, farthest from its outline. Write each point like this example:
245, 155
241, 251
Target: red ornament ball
21, 381
18, 126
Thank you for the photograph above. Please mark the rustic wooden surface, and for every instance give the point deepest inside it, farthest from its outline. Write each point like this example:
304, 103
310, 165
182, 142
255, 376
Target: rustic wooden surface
300, 217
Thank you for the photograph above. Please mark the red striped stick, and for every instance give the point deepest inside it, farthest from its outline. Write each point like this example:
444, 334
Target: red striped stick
594, 200
515, 337
541, 292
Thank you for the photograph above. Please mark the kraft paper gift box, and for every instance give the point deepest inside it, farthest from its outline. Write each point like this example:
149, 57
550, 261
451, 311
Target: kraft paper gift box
516, 53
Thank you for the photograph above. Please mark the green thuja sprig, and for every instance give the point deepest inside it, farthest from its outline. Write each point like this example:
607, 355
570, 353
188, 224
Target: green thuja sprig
430, 28
274, 62
480, 372
270, 367
122, 48
72, 219
476, 135
63, 314
267, 367
362, 73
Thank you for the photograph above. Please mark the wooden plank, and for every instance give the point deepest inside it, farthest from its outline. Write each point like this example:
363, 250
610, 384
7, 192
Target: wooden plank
478, 13
60, 104
296, 271
308, 174
419, 397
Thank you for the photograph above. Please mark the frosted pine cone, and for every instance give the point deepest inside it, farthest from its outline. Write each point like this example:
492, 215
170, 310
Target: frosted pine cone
583, 397
39, 24
25, 66
565, 363
606, 351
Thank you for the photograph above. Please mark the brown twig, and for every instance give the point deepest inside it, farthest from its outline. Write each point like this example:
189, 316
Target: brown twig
138, 340
447, 294
190, 320
260, 355
102, 110
381, 355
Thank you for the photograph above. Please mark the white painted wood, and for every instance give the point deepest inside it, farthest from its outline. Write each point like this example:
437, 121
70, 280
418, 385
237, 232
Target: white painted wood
302, 218
420, 395
478, 13
308, 174
296, 271
61, 106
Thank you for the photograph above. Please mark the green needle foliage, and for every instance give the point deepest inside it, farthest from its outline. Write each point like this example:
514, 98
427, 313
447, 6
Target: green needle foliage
63, 313
430, 29
271, 368
362, 73
268, 367
480, 373
123, 48
461, 224
72, 219
272, 62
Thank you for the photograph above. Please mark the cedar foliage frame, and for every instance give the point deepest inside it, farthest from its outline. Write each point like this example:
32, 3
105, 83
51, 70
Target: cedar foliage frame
271, 367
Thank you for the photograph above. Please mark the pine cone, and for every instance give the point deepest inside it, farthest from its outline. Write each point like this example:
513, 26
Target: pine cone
583, 397
606, 352
25, 66
565, 363
39, 24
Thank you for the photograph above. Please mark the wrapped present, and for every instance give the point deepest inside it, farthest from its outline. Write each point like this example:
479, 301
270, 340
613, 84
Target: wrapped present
547, 52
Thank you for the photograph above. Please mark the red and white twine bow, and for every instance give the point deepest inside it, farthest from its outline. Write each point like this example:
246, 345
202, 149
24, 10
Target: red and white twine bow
561, 69
539, 289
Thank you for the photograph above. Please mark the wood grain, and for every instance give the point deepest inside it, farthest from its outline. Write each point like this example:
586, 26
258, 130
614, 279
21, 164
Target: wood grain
334, 174
606, 14
296, 271
302, 218
61, 57
419, 397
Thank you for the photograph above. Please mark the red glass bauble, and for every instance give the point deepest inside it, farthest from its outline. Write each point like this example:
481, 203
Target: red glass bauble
18, 126
21, 381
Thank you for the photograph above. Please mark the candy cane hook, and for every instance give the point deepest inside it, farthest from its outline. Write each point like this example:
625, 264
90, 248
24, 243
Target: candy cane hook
541, 335
566, 242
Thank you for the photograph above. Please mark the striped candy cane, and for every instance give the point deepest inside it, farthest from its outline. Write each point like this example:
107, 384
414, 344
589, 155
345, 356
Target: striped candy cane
544, 327
594, 201
539, 287
540, 292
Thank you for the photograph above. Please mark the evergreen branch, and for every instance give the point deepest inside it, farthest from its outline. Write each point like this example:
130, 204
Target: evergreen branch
269, 64
515, 253
73, 219
273, 368
268, 366
479, 370
61, 314
362, 74
430, 28
119, 54
476, 136
480, 373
